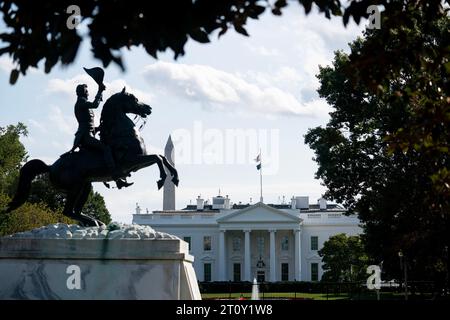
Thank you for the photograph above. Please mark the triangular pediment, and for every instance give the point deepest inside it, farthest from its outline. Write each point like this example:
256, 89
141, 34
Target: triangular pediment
259, 212
313, 256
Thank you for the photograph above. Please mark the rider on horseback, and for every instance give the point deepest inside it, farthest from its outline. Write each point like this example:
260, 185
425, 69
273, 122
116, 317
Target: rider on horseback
85, 135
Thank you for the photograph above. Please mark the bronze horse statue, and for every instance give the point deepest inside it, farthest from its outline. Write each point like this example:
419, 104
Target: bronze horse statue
74, 172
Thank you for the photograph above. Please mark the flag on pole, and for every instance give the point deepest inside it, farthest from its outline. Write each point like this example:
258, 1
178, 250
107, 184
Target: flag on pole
258, 166
258, 160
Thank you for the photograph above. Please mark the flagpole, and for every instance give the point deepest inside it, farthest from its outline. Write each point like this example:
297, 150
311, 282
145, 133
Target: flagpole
260, 177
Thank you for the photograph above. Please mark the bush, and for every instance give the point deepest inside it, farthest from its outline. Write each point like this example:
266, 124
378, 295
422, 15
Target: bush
28, 216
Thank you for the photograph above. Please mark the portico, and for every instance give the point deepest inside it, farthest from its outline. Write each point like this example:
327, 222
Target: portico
270, 236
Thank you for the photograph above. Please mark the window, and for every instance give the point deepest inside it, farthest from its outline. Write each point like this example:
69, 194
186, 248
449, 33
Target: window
188, 240
236, 272
314, 272
284, 272
207, 243
207, 272
236, 244
314, 243
285, 243
218, 201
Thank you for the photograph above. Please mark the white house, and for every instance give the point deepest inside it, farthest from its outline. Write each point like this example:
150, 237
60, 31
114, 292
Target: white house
272, 242
239, 242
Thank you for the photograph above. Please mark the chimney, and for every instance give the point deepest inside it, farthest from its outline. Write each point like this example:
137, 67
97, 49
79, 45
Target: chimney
200, 203
227, 205
322, 204
293, 203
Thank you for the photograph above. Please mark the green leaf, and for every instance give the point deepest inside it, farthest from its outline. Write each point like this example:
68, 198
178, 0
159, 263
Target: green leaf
447, 67
307, 4
222, 31
14, 76
255, 11
199, 36
241, 30
276, 11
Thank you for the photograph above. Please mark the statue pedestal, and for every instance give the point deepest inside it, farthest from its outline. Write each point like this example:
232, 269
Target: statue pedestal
115, 267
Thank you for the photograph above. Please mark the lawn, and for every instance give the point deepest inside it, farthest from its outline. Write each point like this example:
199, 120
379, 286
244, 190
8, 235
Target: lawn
275, 295
305, 296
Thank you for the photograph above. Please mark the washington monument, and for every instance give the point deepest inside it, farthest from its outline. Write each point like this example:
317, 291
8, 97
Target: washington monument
169, 188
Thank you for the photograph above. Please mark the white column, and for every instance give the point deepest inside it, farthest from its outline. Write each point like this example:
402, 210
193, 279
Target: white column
273, 271
297, 255
247, 263
222, 261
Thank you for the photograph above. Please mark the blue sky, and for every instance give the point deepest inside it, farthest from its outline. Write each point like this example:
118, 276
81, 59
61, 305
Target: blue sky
221, 102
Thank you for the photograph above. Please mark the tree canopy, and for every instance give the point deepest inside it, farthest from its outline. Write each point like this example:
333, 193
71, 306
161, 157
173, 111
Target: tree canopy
37, 31
408, 65
344, 259
12, 154
368, 162
95, 207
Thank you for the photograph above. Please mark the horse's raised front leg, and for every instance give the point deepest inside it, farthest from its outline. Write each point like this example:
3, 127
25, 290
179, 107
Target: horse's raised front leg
147, 160
171, 169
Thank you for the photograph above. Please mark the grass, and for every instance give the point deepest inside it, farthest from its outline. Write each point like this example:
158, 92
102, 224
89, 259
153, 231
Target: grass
306, 296
275, 295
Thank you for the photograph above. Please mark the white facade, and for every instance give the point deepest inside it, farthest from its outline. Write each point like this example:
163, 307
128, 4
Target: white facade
242, 242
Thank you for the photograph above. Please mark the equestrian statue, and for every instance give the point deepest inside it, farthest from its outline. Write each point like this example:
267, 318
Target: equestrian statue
119, 152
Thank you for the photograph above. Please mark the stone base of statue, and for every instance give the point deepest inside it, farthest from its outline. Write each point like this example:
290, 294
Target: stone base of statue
120, 262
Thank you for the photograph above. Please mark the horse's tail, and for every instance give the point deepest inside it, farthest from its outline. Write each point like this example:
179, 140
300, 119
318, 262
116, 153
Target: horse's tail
27, 173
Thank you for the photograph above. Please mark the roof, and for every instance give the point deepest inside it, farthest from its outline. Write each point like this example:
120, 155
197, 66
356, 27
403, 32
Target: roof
312, 207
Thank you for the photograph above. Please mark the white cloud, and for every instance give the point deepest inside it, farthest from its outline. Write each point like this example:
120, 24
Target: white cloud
313, 53
6, 64
263, 50
64, 123
288, 74
220, 90
332, 31
67, 87
117, 85
286, 77
38, 125
312, 41
28, 139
